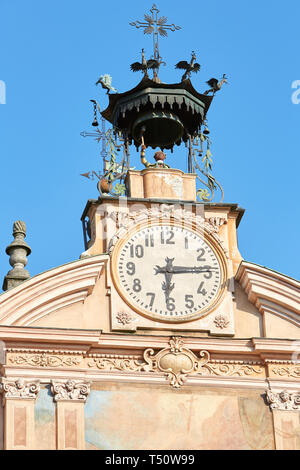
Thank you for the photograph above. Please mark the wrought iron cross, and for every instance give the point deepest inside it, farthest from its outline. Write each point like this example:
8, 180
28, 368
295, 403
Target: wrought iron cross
156, 26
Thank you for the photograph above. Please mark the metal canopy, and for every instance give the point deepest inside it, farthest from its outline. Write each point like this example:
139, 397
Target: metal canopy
180, 98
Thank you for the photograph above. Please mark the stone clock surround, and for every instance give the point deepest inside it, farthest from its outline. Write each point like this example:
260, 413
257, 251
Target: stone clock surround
111, 219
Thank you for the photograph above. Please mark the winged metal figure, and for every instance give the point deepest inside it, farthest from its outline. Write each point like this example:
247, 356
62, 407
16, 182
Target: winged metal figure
216, 85
145, 65
188, 67
106, 81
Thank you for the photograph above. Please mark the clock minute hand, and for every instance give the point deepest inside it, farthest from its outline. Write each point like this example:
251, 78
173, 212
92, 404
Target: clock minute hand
195, 269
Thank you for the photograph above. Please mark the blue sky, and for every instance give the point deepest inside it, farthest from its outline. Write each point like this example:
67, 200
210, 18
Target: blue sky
51, 55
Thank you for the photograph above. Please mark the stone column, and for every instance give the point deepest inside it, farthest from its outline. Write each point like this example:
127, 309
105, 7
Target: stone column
70, 397
18, 400
286, 413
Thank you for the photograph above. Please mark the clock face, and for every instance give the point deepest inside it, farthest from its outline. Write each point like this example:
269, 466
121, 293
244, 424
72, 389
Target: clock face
169, 273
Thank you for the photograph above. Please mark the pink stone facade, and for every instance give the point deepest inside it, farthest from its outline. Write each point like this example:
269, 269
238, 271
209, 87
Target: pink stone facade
81, 369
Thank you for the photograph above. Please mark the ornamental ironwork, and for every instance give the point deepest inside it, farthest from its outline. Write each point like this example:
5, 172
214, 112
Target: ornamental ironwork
155, 115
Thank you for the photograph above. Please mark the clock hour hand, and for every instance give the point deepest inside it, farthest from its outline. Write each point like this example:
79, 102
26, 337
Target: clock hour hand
167, 286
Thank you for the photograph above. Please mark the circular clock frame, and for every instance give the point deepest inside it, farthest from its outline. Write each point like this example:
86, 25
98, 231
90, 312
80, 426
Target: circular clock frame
190, 226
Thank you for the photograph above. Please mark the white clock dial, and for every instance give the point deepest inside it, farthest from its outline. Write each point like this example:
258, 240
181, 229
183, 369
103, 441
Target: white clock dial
169, 273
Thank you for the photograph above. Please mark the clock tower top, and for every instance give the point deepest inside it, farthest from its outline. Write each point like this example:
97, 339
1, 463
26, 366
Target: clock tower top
172, 245
160, 116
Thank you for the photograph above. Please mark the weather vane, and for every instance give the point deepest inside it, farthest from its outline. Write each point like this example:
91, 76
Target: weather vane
99, 135
156, 26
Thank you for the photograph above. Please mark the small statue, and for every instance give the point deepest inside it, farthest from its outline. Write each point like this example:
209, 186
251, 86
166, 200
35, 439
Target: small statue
145, 65
188, 67
159, 157
106, 81
215, 85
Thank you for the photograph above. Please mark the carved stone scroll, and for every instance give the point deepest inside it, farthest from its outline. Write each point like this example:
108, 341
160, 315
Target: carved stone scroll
70, 390
20, 388
283, 401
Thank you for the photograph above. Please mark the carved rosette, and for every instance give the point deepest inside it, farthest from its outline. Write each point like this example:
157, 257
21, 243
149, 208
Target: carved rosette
19, 389
176, 362
284, 401
124, 318
127, 221
221, 321
76, 390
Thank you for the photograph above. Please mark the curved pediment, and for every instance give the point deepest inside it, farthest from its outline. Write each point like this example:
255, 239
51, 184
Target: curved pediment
50, 291
277, 298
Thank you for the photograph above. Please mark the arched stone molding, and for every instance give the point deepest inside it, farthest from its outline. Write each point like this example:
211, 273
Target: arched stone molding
271, 292
50, 291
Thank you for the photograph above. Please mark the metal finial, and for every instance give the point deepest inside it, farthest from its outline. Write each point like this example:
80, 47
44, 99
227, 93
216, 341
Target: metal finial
156, 26
17, 251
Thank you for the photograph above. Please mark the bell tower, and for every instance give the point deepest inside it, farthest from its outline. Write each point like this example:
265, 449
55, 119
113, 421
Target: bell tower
172, 250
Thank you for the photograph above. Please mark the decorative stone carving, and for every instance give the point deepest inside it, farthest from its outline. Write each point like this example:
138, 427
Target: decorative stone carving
44, 359
70, 390
290, 370
232, 369
216, 222
17, 251
176, 361
20, 388
126, 221
124, 318
108, 362
221, 321
283, 400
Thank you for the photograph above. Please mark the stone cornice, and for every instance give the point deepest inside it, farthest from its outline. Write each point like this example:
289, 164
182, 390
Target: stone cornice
271, 292
50, 337
50, 291
72, 341
135, 359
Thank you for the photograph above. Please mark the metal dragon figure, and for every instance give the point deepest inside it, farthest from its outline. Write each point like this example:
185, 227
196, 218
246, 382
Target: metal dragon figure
215, 85
188, 67
145, 65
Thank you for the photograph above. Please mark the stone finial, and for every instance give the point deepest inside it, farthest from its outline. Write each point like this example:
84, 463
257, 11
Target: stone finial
17, 251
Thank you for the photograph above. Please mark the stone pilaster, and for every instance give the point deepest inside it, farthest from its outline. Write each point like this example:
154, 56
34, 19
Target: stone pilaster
70, 397
18, 397
286, 413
